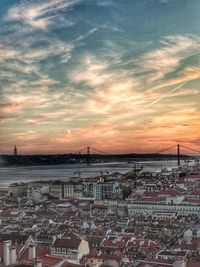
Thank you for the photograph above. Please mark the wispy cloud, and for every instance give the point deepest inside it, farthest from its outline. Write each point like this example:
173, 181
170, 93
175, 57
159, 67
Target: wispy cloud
39, 14
105, 3
27, 54
156, 64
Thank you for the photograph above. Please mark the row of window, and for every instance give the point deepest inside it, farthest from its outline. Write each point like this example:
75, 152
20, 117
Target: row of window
60, 250
173, 208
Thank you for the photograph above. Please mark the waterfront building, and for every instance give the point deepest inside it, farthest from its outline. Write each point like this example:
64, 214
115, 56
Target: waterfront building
73, 189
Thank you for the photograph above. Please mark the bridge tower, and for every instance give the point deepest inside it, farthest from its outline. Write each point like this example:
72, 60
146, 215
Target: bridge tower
178, 155
88, 156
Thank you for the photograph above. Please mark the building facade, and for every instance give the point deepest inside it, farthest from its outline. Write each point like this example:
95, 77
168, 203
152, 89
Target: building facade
103, 190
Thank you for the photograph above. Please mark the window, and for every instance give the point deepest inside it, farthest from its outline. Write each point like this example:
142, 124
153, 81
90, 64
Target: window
58, 250
68, 252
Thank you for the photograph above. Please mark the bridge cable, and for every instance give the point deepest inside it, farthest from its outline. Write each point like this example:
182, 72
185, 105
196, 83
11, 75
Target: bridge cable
194, 150
166, 149
80, 150
99, 151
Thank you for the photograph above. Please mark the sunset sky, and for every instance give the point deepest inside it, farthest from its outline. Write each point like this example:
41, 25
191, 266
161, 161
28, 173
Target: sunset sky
117, 75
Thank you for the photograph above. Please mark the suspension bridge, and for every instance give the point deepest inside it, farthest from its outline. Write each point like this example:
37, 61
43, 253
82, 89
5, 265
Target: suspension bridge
89, 152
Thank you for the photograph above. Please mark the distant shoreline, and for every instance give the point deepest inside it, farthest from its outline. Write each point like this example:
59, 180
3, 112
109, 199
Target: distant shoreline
59, 159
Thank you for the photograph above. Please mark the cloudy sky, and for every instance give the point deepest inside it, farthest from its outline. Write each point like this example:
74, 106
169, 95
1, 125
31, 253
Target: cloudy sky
121, 76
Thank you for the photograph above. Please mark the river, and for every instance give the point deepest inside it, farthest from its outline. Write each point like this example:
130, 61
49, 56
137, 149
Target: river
13, 174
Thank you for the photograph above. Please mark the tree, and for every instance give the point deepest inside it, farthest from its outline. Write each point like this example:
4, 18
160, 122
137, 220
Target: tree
126, 191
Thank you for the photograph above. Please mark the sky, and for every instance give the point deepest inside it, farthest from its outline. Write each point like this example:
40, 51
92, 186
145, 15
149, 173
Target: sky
117, 75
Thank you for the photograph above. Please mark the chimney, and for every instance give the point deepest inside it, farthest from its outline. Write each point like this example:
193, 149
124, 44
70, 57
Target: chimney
31, 252
6, 252
13, 255
37, 263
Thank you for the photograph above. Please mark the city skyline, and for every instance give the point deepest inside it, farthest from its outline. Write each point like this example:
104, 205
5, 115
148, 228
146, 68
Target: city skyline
118, 77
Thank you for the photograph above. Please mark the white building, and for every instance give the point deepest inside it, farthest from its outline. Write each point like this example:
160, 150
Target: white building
72, 249
37, 194
73, 189
150, 208
9, 253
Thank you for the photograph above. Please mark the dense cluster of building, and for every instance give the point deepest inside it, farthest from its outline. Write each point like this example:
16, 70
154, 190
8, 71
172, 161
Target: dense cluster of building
138, 219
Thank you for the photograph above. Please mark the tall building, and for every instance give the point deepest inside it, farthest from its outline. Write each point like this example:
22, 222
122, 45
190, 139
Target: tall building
15, 150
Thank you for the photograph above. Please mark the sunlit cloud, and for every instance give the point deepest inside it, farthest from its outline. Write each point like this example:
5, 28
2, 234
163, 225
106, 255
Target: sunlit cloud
6, 53
37, 14
155, 65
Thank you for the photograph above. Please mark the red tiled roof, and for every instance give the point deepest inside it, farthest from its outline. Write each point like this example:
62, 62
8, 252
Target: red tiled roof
169, 192
150, 194
193, 264
70, 264
115, 244
152, 199
49, 260
156, 263
196, 192
3, 193
193, 176
40, 251
8, 213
